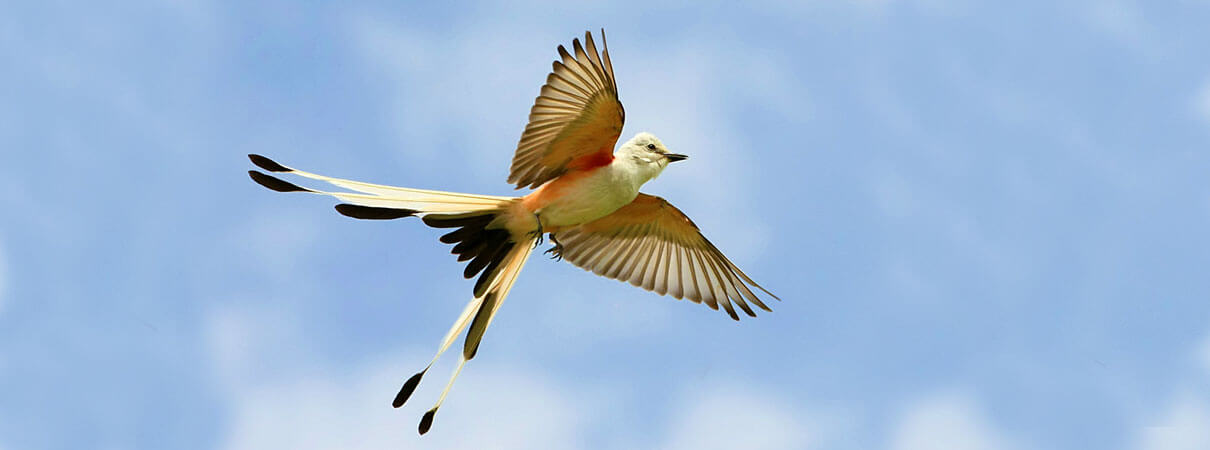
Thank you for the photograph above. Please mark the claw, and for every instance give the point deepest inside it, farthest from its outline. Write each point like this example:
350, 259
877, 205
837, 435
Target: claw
537, 234
556, 252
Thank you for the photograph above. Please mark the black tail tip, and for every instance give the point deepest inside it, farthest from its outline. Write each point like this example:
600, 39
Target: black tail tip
408, 387
469, 351
275, 183
267, 164
373, 212
426, 422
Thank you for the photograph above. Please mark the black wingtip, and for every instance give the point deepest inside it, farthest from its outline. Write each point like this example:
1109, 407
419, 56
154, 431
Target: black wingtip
267, 164
373, 213
275, 183
408, 387
426, 422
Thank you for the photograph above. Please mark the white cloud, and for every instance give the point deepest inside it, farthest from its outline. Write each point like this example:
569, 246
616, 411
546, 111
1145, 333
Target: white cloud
238, 339
720, 417
299, 405
489, 408
1119, 17
279, 400
870, 7
464, 98
1124, 21
1202, 354
3, 278
613, 317
1201, 102
494, 407
275, 240
949, 421
1186, 425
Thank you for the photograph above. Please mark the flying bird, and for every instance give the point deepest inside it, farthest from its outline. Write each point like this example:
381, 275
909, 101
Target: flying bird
586, 200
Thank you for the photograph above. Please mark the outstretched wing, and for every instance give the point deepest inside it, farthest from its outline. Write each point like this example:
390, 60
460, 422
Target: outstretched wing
575, 121
653, 245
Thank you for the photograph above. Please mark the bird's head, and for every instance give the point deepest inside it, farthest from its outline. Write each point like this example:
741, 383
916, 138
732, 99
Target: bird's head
648, 153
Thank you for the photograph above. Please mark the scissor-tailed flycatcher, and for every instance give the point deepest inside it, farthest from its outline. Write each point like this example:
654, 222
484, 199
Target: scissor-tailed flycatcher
587, 199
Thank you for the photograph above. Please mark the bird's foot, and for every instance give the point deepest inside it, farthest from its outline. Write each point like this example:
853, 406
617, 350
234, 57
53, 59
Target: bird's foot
556, 252
537, 234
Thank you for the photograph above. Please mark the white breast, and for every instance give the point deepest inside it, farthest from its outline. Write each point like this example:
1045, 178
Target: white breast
594, 196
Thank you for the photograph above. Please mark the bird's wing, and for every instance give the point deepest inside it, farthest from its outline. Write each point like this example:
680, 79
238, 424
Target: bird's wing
575, 121
653, 245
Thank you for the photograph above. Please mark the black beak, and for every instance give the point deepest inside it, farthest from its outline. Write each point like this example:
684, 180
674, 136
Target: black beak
674, 157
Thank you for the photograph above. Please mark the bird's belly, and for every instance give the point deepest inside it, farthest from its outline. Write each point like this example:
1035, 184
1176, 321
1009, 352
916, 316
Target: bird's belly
585, 202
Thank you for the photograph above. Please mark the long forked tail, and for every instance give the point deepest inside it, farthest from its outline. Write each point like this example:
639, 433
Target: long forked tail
376, 201
500, 280
494, 253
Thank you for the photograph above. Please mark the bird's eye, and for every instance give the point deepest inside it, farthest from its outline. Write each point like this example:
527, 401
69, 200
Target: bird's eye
650, 146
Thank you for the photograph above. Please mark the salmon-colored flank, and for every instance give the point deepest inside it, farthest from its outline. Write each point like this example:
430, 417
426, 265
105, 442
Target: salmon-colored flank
554, 189
577, 169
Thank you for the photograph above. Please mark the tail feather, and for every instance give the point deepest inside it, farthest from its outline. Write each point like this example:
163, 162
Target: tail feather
419, 201
463, 319
502, 280
375, 189
475, 239
494, 253
494, 296
373, 212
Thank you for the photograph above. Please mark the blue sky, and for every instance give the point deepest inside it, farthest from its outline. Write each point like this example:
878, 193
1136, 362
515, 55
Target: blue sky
988, 224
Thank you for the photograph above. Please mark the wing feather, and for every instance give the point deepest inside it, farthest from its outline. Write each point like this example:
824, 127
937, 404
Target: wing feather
577, 114
651, 244
697, 291
640, 256
625, 257
650, 277
707, 283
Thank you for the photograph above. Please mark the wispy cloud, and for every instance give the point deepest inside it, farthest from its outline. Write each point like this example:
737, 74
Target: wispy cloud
1121, 18
1201, 102
250, 344
754, 420
1202, 354
275, 239
495, 407
1185, 422
290, 400
1184, 426
951, 421
450, 95
492, 407
3, 278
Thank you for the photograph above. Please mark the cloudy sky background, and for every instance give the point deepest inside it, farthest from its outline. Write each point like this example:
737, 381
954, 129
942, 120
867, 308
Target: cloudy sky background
988, 224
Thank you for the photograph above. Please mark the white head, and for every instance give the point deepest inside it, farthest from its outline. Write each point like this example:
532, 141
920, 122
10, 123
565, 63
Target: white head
648, 155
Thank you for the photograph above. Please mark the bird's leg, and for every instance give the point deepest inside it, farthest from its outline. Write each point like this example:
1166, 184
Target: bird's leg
556, 252
537, 234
